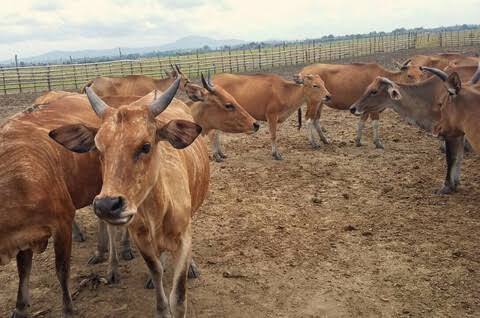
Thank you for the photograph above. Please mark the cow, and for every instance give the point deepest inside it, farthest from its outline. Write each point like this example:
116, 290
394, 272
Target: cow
346, 83
460, 110
441, 61
267, 97
134, 85
150, 184
418, 104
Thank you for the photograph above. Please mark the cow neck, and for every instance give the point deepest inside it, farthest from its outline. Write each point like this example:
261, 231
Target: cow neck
295, 96
468, 113
418, 104
196, 110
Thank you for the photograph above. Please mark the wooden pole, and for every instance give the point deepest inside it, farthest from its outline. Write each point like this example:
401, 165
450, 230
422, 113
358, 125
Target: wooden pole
18, 74
4, 83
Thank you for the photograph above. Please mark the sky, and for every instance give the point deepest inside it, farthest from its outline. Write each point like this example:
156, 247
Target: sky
33, 27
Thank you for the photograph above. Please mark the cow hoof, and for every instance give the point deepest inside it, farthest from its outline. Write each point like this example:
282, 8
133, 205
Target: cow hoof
163, 314
326, 142
96, 259
127, 255
68, 313
17, 314
221, 154
78, 237
149, 284
277, 156
193, 271
445, 190
113, 278
358, 143
315, 145
217, 157
379, 145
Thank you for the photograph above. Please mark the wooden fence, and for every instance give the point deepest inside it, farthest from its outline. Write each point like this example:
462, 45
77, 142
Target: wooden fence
74, 76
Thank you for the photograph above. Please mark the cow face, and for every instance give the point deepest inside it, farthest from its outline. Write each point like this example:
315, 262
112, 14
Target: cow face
446, 126
177, 72
128, 142
215, 108
314, 88
379, 95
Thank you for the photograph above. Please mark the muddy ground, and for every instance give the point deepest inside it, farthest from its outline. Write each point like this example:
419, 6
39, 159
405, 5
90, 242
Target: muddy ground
336, 232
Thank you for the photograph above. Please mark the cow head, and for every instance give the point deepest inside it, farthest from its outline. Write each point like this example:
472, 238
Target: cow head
128, 142
410, 72
215, 108
314, 88
175, 73
377, 96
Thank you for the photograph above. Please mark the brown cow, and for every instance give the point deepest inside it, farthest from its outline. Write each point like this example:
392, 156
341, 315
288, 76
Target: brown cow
346, 83
418, 104
440, 61
267, 97
460, 111
134, 85
148, 185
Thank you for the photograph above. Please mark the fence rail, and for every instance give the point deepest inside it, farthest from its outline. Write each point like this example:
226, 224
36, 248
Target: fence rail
74, 76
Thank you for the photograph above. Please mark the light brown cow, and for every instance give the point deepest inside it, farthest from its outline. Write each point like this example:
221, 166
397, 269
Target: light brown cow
346, 83
441, 61
417, 104
149, 184
460, 111
267, 97
134, 85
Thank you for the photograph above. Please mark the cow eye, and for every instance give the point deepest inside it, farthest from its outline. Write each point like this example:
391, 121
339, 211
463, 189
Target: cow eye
374, 92
229, 106
145, 148
315, 86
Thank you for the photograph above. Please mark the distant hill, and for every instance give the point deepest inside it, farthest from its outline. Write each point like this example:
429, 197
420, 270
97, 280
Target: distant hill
186, 43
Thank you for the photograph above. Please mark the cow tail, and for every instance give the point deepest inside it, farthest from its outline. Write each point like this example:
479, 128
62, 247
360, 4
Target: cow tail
299, 114
89, 83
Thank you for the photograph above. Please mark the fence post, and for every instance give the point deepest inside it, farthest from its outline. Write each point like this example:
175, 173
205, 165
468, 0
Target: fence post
244, 61
4, 83
34, 82
18, 74
75, 76
48, 78
260, 56
230, 59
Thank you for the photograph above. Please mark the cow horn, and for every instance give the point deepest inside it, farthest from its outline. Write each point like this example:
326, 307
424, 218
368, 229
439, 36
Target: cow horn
207, 83
178, 69
385, 80
98, 105
405, 64
475, 76
435, 71
161, 103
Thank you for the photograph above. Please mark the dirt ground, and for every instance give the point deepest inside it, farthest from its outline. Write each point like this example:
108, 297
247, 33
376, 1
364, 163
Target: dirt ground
336, 232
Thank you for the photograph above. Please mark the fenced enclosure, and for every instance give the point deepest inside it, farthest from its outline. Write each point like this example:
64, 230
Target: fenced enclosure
74, 76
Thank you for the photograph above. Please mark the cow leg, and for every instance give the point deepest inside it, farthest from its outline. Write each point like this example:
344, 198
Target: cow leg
454, 155
24, 267
181, 262
360, 126
102, 242
272, 125
318, 128
125, 246
113, 277
310, 115
193, 271
218, 154
375, 117
78, 235
63, 249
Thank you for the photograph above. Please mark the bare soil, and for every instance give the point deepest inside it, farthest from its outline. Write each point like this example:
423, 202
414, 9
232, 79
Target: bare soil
336, 232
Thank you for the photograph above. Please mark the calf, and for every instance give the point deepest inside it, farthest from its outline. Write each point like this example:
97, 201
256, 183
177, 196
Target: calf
149, 184
460, 111
267, 97
418, 104
347, 83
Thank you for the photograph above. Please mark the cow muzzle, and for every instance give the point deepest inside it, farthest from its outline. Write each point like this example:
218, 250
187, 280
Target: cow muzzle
354, 111
256, 126
112, 210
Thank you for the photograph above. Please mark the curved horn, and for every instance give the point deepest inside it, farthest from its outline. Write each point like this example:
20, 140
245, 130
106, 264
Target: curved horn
207, 84
98, 105
405, 64
385, 80
475, 76
178, 69
160, 104
435, 71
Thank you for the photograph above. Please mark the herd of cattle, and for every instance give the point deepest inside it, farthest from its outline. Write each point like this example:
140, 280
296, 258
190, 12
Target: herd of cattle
140, 155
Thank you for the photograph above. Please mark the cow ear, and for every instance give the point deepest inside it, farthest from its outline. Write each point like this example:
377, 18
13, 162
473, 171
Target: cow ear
453, 83
196, 93
179, 133
298, 78
77, 138
394, 93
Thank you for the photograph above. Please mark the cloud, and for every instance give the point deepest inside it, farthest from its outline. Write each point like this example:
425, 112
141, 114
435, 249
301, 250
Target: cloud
132, 23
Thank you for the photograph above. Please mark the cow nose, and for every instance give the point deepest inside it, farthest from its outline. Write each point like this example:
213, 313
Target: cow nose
353, 110
328, 98
256, 126
108, 206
